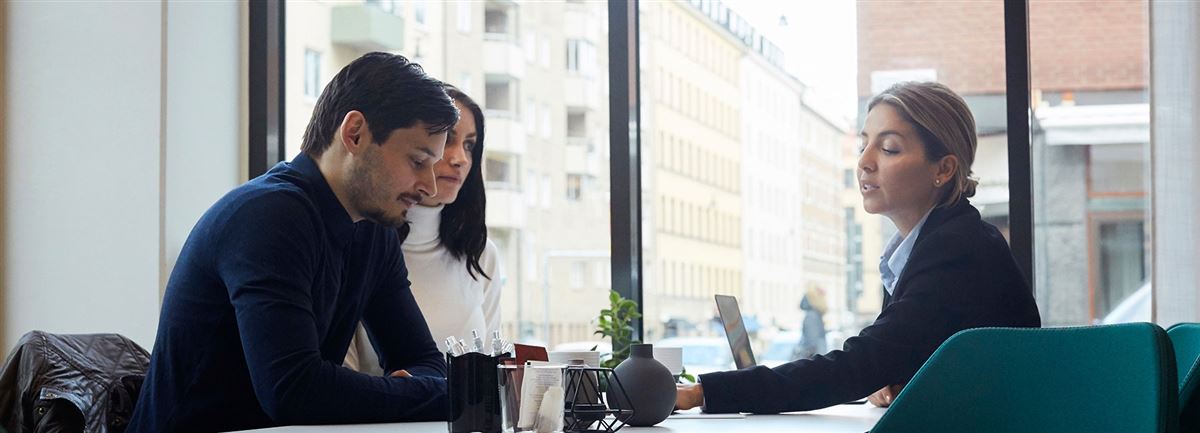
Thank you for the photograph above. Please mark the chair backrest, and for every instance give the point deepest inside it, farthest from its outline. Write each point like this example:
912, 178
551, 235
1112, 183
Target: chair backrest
1115, 378
1186, 339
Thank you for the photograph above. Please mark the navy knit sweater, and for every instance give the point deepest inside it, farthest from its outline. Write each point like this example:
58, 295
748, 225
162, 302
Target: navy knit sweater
260, 309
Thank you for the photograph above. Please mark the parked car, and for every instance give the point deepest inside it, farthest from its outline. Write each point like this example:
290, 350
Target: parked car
702, 354
604, 347
780, 350
1134, 308
783, 346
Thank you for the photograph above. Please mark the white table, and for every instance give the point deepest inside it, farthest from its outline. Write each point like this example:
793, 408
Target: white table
844, 418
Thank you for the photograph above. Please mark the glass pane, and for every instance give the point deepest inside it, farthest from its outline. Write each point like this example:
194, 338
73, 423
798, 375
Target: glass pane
751, 114
1090, 155
545, 159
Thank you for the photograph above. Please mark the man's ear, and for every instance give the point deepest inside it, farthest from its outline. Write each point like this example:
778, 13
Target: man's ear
352, 132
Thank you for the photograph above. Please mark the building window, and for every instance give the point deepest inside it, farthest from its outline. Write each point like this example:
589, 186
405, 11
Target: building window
1122, 263
530, 117
419, 9
574, 187
388, 6
500, 170
544, 51
544, 120
496, 21
530, 189
464, 83
577, 271
312, 74
500, 95
464, 17
545, 193
530, 46
581, 57
577, 124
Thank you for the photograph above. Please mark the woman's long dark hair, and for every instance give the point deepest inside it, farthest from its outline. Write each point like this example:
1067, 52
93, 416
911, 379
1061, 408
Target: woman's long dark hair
463, 229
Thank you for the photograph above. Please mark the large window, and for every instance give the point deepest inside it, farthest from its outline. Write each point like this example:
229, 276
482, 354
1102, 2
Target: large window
749, 115
749, 135
312, 74
545, 159
1090, 160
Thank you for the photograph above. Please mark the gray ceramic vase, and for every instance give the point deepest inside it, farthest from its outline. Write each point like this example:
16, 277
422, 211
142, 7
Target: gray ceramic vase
648, 384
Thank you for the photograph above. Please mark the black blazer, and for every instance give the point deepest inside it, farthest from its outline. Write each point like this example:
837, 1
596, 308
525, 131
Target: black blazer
960, 275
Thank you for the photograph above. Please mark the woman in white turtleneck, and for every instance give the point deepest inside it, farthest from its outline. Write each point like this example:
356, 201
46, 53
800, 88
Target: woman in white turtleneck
452, 265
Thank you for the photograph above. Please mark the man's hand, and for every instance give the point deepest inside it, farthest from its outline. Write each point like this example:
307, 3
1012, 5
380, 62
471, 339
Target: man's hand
400, 373
688, 396
885, 396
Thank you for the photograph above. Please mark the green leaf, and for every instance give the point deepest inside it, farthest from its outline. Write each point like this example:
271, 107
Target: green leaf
687, 377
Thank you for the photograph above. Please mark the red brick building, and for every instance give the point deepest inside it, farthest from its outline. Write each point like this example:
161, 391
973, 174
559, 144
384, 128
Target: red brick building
1074, 45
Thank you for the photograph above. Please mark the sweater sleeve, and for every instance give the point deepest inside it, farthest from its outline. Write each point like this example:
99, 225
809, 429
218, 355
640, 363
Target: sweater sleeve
889, 351
267, 260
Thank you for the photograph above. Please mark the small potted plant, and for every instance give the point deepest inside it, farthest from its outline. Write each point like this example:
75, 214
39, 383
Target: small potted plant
616, 323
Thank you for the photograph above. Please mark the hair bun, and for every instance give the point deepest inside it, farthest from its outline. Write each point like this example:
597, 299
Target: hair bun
969, 185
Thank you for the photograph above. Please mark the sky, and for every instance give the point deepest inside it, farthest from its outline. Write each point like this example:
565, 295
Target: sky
819, 42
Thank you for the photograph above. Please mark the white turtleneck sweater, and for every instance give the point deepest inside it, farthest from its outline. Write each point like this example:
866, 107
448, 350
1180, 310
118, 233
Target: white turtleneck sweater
452, 301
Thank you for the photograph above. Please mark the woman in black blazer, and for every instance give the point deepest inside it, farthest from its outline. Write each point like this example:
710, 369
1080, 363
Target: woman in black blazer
950, 270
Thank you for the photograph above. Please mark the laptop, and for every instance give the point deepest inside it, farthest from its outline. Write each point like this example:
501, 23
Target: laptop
735, 331
739, 339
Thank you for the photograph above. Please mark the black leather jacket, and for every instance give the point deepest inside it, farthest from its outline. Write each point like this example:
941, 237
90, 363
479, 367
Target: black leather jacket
71, 383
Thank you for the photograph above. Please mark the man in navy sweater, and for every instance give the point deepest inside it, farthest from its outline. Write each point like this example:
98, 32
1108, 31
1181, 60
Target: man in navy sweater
273, 279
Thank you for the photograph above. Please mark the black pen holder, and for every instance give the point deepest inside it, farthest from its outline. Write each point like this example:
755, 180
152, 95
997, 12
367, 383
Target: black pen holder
474, 393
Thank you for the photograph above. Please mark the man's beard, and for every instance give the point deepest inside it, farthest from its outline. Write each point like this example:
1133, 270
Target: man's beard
366, 196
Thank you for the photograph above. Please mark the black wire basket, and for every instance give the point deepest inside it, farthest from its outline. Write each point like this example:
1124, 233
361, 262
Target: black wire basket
587, 409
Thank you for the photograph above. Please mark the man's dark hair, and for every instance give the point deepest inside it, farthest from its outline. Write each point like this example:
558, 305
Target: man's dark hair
463, 229
391, 93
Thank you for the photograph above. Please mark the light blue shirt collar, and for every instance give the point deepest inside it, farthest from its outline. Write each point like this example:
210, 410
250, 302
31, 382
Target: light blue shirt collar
895, 255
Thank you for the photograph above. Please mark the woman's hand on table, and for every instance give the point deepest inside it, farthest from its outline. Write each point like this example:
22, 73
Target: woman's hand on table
885, 396
688, 396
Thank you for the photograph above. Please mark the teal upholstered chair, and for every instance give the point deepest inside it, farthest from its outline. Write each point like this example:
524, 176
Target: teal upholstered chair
1116, 378
1186, 339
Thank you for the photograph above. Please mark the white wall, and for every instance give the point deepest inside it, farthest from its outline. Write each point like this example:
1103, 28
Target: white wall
112, 151
205, 155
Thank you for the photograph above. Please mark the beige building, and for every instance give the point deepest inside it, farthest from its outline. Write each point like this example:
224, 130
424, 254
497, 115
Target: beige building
823, 238
539, 72
745, 179
773, 228
692, 142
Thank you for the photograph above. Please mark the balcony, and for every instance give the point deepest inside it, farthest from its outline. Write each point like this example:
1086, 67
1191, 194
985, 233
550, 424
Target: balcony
505, 207
581, 22
578, 160
502, 56
580, 91
504, 134
366, 28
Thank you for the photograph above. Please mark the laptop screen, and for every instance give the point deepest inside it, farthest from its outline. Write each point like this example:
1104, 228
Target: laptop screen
735, 331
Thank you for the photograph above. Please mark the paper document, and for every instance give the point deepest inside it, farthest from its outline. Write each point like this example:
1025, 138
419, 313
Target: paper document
539, 377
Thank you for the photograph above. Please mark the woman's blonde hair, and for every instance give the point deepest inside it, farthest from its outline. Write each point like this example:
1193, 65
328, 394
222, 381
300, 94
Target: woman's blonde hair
945, 125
